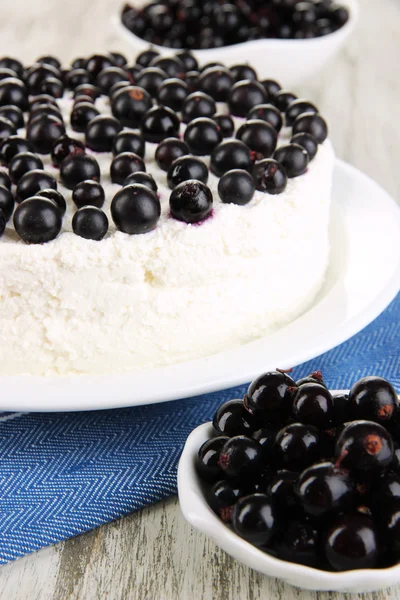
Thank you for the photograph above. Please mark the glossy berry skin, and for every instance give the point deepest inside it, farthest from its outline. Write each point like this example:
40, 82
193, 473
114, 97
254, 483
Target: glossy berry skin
97, 62
145, 57
44, 132
40, 110
283, 99
150, 79
269, 395
100, 133
352, 542
259, 136
244, 95
188, 59
22, 163
191, 79
32, 182
198, 105
225, 124
313, 124
3, 223
52, 86
142, 178
364, 446
202, 136
272, 87
135, 209
241, 72
171, 65
109, 77
6, 202
78, 167
13, 114
88, 192
207, 459
118, 58
159, 123
56, 197
270, 176
125, 164
373, 399
223, 496
268, 113
281, 489
231, 419
254, 519
308, 142
185, 168
191, 201
81, 114
12, 146
13, 92
236, 187
293, 158
172, 93
129, 105
90, 223
37, 220
387, 493
15, 65
5, 180
168, 151
297, 446
129, 141
299, 543
77, 77
241, 458
87, 89
229, 155
296, 108
216, 82
313, 404
323, 488
64, 147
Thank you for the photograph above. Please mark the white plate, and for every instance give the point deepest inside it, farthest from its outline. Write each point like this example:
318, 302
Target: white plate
363, 278
196, 510
288, 61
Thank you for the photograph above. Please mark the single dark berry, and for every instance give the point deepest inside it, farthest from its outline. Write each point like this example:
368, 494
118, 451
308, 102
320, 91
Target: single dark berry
314, 377
14, 92
168, 151
225, 124
202, 135
81, 114
198, 105
216, 82
77, 77
323, 487
223, 496
186, 168
270, 394
135, 209
272, 87
229, 155
338, 14
299, 543
142, 178
78, 63
313, 404
7, 128
7, 62
172, 93
364, 446
117, 87
241, 72
12, 146
125, 164
37, 74
308, 142
100, 133
88, 192
281, 489
207, 459
78, 167
109, 76
6, 202
231, 419
150, 79
87, 89
37, 220
259, 136
44, 132
191, 201
297, 446
352, 542
56, 197
5, 180
7, 73
244, 95
241, 458
268, 113
293, 158
63, 147
296, 108
13, 114
22, 163
32, 182
188, 59
119, 59
90, 222
52, 86
270, 176
129, 141
145, 57
130, 104
312, 124
98, 62
373, 399
159, 123
171, 65
283, 99
236, 187
254, 519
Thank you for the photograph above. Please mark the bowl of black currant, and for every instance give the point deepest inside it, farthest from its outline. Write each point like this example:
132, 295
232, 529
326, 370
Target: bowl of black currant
285, 39
301, 483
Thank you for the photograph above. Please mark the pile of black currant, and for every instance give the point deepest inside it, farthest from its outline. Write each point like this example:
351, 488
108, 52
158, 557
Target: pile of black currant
203, 24
120, 108
308, 476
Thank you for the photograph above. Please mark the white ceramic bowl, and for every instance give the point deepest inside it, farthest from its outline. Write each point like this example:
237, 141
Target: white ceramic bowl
196, 510
288, 61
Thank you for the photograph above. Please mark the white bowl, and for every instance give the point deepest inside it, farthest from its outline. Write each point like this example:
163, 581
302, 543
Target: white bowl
196, 510
288, 61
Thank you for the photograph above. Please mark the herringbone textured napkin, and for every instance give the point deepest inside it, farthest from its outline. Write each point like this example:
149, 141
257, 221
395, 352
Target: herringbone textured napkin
65, 473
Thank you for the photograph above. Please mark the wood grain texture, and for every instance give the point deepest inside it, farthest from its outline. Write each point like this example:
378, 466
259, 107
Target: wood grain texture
154, 554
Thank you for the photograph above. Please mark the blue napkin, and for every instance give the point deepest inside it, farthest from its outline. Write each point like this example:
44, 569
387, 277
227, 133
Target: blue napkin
65, 473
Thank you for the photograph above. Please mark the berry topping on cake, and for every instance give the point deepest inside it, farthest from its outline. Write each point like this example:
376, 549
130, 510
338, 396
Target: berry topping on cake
37, 220
90, 222
191, 201
135, 209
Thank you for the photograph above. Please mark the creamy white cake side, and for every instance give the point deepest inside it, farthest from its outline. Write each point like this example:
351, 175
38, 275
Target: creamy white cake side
177, 293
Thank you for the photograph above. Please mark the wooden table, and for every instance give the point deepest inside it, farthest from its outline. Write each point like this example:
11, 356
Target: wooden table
154, 554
